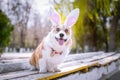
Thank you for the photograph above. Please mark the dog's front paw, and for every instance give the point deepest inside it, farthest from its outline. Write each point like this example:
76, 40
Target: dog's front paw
42, 70
54, 70
33, 68
51, 70
57, 70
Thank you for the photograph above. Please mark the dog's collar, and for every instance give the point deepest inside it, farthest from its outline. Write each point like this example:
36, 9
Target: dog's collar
55, 52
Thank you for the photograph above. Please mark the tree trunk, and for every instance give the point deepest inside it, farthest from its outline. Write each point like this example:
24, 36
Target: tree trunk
23, 36
113, 31
105, 33
113, 28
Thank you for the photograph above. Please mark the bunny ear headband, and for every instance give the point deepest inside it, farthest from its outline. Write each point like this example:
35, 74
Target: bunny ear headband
70, 20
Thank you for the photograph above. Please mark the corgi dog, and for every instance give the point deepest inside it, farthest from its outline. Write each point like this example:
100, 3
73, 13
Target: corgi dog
56, 45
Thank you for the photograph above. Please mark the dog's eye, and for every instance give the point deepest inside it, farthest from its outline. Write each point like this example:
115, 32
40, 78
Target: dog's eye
66, 30
57, 29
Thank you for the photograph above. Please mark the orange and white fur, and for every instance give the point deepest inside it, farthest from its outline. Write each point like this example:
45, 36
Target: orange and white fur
56, 45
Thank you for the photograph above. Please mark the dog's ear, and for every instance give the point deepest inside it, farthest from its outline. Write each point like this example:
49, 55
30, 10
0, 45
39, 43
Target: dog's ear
72, 18
54, 17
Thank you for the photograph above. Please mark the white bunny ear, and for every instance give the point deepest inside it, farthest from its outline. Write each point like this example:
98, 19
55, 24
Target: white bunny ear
72, 18
54, 17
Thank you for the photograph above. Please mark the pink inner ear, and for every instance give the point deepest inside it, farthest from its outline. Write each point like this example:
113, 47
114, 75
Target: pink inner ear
71, 21
55, 18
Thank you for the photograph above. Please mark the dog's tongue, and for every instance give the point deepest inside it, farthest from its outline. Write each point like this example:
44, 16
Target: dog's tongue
60, 41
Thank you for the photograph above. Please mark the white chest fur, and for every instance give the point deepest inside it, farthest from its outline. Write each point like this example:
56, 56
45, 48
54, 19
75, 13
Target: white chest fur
55, 58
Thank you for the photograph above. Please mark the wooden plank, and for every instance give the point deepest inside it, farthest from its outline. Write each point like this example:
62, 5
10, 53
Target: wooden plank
98, 57
17, 74
108, 60
91, 59
80, 56
65, 71
14, 66
69, 70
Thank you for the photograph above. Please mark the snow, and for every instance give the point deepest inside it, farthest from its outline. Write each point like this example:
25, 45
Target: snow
111, 67
82, 76
101, 70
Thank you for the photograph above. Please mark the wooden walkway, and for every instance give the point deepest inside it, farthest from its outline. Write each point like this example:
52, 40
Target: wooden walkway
78, 63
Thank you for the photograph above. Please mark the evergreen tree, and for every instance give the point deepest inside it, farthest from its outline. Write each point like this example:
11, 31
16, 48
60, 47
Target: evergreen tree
5, 31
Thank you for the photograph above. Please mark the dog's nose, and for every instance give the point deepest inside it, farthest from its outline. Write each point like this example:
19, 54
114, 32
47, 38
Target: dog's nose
61, 35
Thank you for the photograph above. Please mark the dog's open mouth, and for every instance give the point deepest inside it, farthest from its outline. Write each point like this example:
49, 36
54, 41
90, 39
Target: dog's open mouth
60, 40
